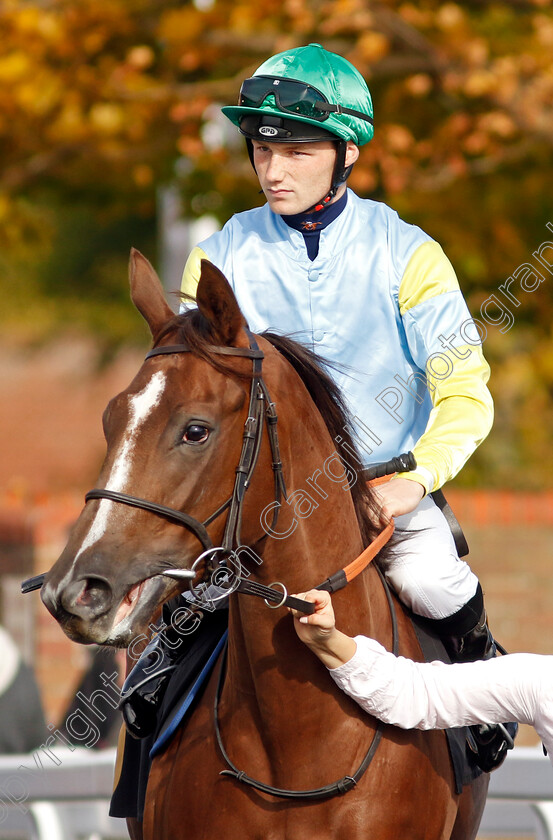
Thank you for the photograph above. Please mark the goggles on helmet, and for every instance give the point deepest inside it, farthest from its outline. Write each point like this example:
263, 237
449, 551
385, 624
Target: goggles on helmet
292, 97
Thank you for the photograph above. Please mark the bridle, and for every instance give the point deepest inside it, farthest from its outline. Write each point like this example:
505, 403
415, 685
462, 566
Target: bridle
261, 408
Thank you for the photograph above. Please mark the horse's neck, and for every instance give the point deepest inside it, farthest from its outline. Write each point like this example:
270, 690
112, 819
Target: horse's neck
270, 671
321, 544
325, 537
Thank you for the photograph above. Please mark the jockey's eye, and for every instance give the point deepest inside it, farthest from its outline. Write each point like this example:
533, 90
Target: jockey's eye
195, 433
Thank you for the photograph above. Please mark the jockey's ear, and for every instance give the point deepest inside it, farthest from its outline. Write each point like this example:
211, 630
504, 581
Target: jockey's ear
218, 305
147, 293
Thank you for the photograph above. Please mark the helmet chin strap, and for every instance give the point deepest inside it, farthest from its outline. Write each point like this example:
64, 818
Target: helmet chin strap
324, 201
339, 176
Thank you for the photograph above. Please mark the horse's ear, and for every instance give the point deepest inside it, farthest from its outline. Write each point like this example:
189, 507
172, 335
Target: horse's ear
218, 305
147, 293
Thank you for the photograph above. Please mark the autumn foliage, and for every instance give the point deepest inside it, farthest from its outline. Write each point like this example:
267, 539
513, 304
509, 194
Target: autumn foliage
102, 101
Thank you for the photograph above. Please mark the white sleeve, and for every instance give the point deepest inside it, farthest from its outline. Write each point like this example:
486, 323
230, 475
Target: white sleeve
433, 695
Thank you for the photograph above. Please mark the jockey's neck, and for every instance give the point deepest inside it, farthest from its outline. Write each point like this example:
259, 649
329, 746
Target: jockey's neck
311, 223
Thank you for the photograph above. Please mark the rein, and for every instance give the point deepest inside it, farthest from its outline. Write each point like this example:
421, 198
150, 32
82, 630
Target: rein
260, 408
340, 786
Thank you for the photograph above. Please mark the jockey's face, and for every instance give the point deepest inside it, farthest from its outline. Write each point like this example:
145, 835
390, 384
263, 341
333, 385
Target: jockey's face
295, 176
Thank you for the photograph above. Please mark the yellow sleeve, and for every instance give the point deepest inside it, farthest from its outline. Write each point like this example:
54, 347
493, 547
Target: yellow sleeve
429, 274
462, 412
191, 274
461, 418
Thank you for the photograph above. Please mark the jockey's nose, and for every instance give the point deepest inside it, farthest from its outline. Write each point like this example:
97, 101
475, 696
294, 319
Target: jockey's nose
275, 168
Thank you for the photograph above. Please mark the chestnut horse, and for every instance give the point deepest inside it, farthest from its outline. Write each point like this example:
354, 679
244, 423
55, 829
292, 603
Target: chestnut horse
174, 439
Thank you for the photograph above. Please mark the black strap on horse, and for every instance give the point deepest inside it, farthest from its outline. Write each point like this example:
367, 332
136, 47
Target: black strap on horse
457, 532
333, 583
340, 786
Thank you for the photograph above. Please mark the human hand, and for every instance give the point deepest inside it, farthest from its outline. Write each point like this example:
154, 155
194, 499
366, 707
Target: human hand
319, 625
318, 631
399, 496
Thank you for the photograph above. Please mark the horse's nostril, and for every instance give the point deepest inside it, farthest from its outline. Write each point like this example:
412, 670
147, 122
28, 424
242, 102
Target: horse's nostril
89, 596
94, 591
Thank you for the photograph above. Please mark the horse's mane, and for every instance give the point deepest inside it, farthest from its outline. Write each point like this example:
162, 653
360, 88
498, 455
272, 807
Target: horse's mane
192, 329
330, 403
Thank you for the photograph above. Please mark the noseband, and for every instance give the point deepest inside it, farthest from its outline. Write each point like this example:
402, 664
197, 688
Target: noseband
260, 408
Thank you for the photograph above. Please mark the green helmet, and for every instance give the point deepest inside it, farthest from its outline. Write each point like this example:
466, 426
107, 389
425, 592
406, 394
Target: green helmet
304, 94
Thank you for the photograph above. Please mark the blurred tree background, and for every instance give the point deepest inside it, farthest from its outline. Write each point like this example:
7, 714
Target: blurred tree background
102, 102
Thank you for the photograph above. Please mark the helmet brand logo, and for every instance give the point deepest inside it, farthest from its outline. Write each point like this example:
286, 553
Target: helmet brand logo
268, 131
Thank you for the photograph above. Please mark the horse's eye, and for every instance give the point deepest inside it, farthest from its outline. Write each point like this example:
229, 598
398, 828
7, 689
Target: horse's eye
195, 433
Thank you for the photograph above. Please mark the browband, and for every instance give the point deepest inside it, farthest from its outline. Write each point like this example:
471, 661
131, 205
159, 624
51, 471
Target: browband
245, 352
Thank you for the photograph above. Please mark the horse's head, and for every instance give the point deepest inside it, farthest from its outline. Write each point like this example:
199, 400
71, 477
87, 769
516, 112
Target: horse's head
174, 437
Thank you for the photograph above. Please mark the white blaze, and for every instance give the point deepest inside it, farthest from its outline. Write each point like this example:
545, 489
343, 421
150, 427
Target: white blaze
140, 407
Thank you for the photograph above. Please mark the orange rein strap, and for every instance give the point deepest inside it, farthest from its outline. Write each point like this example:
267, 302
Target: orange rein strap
340, 579
367, 556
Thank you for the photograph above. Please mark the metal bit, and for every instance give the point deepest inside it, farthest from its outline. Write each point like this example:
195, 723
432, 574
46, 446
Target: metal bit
179, 574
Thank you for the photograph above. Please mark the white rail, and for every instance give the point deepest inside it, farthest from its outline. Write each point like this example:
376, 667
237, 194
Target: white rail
520, 797
63, 794
58, 794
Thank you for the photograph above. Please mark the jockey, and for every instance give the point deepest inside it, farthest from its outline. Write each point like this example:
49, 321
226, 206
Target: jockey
378, 299
430, 695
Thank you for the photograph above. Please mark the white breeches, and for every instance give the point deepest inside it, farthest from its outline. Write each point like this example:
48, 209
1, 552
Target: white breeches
433, 695
424, 569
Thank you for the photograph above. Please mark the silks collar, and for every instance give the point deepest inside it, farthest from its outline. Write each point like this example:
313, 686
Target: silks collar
316, 220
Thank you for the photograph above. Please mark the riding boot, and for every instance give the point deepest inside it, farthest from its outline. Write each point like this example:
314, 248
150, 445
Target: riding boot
488, 743
478, 643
